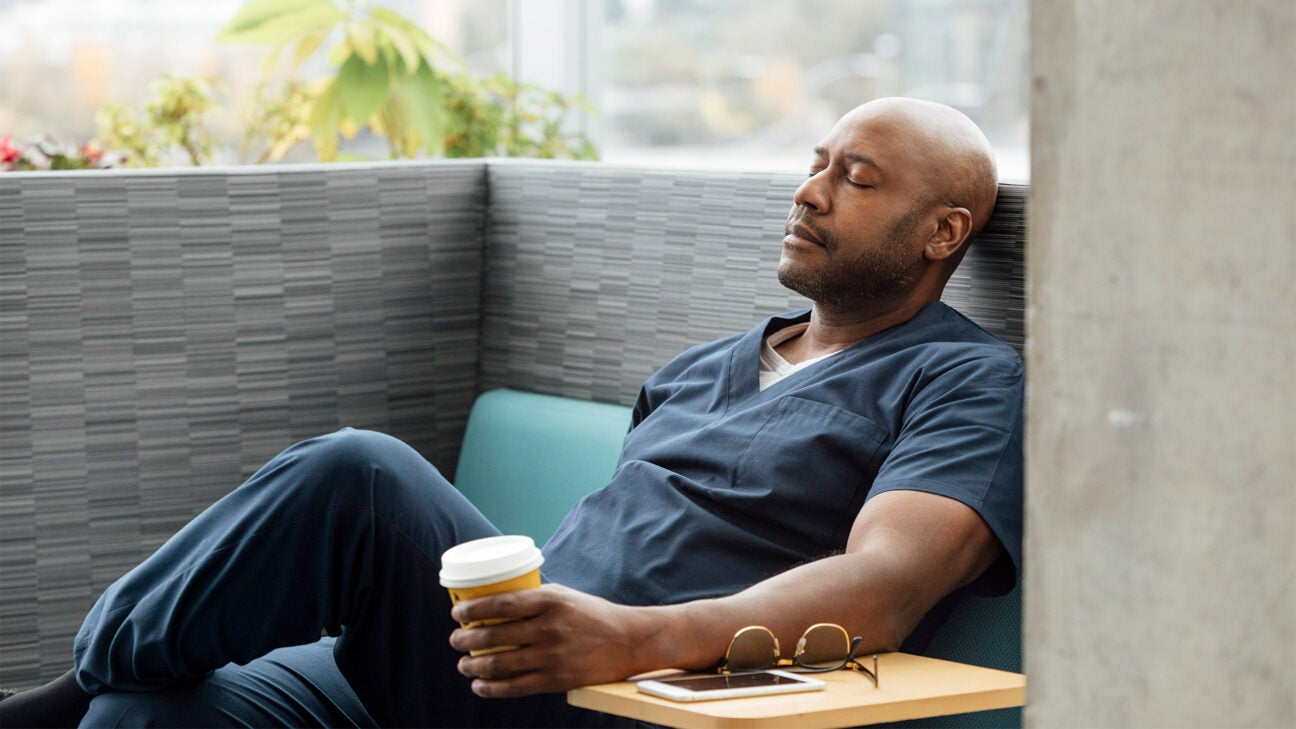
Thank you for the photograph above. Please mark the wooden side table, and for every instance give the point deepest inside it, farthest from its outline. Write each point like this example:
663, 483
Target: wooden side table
912, 687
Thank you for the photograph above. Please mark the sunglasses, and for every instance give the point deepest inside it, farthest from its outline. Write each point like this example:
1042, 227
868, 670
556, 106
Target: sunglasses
823, 647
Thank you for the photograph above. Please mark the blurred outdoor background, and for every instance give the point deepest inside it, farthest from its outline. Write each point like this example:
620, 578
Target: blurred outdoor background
728, 83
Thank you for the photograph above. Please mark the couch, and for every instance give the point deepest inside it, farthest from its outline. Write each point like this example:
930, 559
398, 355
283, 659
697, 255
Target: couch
164, 332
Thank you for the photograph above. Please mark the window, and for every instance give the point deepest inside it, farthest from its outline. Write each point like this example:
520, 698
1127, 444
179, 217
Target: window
757, 84
692, 82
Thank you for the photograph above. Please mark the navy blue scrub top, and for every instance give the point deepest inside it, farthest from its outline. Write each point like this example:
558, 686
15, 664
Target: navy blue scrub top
721, 485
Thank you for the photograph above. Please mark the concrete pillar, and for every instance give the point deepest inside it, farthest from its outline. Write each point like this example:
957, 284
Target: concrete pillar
1161, 478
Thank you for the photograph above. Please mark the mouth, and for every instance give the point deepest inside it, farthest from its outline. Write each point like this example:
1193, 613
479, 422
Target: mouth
797, 233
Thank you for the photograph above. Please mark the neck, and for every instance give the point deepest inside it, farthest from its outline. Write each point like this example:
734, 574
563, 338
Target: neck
833, 330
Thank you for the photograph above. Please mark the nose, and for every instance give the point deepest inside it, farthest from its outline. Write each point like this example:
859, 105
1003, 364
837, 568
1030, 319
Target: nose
812, 193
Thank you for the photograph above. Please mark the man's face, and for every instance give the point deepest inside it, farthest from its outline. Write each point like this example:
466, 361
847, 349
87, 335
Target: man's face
855, 233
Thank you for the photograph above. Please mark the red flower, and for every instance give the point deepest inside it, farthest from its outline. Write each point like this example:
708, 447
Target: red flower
8, 151
91, 154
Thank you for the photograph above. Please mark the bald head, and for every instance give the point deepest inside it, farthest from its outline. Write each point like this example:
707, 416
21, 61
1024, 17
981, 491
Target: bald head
953, 155
896, 190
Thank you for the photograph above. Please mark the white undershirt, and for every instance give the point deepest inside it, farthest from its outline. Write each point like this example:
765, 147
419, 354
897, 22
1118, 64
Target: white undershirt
772, 365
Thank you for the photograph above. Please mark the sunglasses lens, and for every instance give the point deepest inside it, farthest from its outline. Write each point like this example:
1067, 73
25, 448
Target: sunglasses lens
823, 646
752, 649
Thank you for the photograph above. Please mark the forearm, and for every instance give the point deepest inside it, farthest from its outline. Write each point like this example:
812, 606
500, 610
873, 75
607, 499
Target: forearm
859, 591
906, 551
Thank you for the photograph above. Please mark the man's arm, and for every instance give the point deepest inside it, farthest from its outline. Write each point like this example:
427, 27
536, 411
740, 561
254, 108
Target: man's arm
906, 550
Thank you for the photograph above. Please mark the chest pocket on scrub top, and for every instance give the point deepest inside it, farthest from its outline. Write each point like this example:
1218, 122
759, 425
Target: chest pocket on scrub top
810, 464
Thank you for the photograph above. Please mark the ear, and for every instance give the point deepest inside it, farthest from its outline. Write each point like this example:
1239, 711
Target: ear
952, 232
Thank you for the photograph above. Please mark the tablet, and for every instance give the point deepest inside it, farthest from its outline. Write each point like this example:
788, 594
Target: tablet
730, 686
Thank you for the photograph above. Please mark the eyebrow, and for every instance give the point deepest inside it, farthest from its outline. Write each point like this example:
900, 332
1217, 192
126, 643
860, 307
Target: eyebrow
853, 157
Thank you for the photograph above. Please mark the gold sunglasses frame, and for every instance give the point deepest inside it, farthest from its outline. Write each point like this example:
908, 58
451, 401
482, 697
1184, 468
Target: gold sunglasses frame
794, 664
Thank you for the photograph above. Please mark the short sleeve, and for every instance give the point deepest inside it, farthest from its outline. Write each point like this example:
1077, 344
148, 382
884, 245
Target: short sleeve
961, 437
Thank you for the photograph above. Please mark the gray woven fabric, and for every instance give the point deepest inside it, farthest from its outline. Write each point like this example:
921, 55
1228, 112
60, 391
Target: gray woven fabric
597, 274
165, 334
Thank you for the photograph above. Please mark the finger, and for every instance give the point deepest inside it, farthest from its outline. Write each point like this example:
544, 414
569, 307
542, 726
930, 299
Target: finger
505, 605
484, 637
523, 685
502, 665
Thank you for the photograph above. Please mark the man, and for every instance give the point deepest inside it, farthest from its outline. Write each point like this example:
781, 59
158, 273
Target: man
854, 464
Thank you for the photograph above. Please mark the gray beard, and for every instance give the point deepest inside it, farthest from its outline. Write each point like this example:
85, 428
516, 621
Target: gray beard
878, 273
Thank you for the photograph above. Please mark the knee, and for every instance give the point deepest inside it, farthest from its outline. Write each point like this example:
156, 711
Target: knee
366, 457
334, 470
362, 453
353, 468
349, 447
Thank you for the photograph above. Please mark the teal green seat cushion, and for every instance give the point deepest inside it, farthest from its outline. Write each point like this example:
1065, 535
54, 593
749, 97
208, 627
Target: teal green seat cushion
983, 631
527, 459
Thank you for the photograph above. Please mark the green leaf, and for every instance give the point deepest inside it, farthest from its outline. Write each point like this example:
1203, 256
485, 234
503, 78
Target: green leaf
425, 92
362, 41
308, 45
401, 41
422, 44
394, 19
390, 57
326, 114
276, 22
339, 54
255, 14
361, 88
393, 120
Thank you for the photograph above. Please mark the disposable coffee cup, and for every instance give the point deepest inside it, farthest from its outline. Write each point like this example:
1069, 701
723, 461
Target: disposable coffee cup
489, 566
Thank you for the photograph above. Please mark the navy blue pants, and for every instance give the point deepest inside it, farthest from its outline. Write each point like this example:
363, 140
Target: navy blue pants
340, 535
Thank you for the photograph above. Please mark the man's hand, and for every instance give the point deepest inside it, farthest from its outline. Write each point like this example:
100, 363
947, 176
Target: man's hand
565, 639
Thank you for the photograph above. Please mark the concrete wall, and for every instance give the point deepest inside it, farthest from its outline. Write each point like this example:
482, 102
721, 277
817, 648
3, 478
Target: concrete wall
1161, 514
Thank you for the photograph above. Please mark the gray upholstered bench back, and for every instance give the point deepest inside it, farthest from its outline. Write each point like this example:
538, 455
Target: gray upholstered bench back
163, 333
597, 274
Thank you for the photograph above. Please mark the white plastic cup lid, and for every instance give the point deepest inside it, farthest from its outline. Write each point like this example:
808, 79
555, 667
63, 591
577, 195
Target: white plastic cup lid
493, 559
